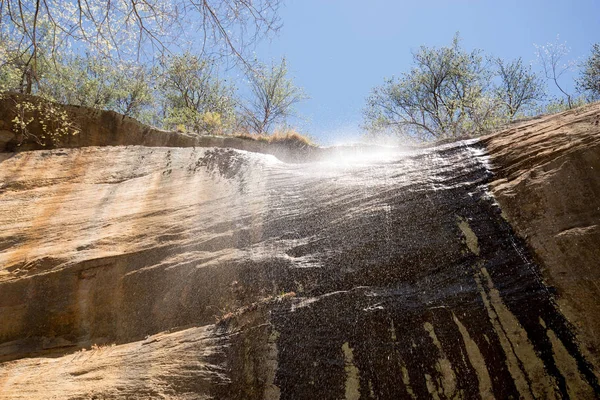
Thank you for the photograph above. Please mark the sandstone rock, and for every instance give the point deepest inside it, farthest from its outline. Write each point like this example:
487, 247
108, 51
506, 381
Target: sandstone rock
218, 273
5, 138
108, 128
547, 181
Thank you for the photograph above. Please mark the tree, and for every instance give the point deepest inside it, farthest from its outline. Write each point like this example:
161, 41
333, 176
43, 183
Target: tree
99, 82
131, 28
85, 80
444, 95
589, 78
519, 87
273, 97
15, 66
552, 58
134, 95
194, 96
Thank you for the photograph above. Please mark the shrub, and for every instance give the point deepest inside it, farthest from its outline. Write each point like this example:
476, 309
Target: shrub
288, 137
39, 120
445, 94
195, 97
589, 79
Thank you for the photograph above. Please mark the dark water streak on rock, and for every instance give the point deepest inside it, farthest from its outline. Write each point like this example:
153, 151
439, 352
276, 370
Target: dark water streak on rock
412, 267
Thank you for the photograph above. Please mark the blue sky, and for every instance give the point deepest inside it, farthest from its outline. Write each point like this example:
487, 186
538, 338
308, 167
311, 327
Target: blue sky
337, 50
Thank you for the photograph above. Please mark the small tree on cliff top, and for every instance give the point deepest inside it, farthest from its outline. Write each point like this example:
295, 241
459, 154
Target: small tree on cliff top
553, 58
273, 97
589, 78
194, 96
519, 88
443, 95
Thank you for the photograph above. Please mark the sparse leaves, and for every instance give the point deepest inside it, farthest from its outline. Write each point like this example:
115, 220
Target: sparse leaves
589, 79
444, 95
273, 97
101, 83
53, 122
519, 88
553, 58
195, 97
136, 29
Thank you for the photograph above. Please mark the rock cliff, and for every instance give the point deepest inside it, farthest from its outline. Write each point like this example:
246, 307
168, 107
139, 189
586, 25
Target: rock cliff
108, 128
468, 270
547, 181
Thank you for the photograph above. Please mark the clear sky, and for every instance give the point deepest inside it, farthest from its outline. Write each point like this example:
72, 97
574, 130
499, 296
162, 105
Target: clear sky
337, 50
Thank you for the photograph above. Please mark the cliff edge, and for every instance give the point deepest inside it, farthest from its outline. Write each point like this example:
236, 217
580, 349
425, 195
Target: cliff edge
173, 270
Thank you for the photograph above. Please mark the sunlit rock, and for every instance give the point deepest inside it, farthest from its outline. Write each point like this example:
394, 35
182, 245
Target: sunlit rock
468, 270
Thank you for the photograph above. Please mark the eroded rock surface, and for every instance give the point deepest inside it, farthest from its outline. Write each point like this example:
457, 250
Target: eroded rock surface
217, 273
108, 128
547, 181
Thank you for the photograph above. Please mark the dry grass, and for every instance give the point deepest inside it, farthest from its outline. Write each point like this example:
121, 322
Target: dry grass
288, 137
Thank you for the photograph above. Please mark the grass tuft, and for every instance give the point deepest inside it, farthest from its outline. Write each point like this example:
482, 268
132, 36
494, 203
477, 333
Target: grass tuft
288, 137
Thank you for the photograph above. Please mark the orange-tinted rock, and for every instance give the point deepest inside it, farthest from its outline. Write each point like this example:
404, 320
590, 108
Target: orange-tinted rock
218, 273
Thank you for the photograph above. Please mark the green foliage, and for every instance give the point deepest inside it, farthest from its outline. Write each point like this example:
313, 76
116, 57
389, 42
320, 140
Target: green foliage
520, 88
86, 80
136, 30
273, 97
112, 56
101, 83
444, 95
16, 72
588, 81
194, 96
40, 120
556, 105
10, 75
183, 93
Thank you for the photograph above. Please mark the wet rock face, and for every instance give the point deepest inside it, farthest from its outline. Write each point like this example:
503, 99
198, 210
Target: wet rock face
431, 296
221, 274
546, 180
